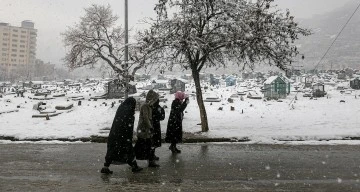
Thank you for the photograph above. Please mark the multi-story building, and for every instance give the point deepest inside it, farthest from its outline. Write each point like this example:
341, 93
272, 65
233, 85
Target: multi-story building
17, 49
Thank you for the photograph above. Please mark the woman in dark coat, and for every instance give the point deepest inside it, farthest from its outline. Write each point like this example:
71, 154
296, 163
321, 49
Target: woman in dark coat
158, 114
119, 145
145, 130
174, 127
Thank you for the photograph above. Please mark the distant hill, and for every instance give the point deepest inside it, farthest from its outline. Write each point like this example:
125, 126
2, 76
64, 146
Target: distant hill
345, 51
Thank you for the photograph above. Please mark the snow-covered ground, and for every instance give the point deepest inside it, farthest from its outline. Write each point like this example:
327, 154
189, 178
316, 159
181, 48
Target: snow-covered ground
304, 119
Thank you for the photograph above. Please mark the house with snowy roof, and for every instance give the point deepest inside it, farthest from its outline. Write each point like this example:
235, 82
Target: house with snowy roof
355, 83
275, 88
177, 85
318, 89
230, 80
161, 84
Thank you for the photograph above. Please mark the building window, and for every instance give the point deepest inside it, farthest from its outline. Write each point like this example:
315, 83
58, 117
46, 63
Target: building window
4, 49
22, 51
14, 35
21, 55
5, 34
23, 31
13, 55
22, 41
23, 36
13, 45
14, 40
15, 30
4, 44
22, 46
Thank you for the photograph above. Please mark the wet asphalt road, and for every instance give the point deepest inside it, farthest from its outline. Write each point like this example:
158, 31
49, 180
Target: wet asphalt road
200, 167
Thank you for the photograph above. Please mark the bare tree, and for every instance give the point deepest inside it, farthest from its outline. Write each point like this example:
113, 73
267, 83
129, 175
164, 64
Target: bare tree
216, 33
97, 38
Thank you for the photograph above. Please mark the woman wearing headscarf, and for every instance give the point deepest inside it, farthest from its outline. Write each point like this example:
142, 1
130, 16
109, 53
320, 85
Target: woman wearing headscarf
145, 130
158, 114
174, 127
119, 145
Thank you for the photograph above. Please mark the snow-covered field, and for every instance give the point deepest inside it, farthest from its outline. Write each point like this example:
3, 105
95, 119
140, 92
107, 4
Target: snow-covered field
304, 119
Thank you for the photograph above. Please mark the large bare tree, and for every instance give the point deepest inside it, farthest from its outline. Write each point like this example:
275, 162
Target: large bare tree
97, 38
215, 33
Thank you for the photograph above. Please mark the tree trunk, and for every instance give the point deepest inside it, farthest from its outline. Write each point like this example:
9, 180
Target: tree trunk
199, 98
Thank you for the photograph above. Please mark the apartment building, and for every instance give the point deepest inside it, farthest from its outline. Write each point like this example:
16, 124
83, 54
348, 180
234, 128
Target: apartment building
17, 49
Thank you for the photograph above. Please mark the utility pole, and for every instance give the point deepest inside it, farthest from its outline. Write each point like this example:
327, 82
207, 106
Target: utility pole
126, 52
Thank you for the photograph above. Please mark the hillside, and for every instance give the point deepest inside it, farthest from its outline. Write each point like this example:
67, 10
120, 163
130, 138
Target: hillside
344, 52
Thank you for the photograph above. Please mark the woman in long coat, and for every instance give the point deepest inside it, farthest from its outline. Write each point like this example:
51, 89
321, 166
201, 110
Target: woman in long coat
174, 130
119, 145
145, 130
158, 114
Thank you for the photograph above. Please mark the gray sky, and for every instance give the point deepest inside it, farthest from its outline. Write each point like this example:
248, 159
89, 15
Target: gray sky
52, 16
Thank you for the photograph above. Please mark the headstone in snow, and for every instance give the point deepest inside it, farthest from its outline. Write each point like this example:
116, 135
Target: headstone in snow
230, 100
65, 106
79, 103
342, 101
232, 108
220, 109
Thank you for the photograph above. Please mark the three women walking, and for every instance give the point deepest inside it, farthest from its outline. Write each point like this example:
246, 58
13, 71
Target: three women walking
119, 145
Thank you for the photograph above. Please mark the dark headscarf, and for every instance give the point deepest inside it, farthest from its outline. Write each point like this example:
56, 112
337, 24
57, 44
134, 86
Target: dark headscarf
119, 145
123, 124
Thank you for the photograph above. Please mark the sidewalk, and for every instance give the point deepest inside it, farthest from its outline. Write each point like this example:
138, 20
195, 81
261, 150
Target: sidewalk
202, 167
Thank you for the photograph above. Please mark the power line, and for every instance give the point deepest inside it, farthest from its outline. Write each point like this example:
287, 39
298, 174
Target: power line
337, 36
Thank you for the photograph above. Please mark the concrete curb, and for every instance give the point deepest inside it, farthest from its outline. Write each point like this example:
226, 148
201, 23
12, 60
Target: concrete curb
100, 139
192, 139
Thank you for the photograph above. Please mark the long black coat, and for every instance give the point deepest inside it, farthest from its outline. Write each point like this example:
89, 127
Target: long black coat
158, 114
119, 145
174, 127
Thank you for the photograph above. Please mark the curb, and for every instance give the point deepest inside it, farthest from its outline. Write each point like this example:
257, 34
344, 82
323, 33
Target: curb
101, 139
195, 139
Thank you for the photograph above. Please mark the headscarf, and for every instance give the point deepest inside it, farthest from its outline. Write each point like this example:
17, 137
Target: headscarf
180, 95
120, 129
151, 97
129, 105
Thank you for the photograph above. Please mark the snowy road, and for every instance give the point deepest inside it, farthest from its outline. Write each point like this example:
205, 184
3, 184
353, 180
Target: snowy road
201, 167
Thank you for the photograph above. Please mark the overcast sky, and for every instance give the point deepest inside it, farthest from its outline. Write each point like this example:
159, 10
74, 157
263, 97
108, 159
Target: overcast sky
52, 16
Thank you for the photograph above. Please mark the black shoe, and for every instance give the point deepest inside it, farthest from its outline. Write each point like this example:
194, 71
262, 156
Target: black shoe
106, 170
136, 169
177, 150
153, 164
172, 149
